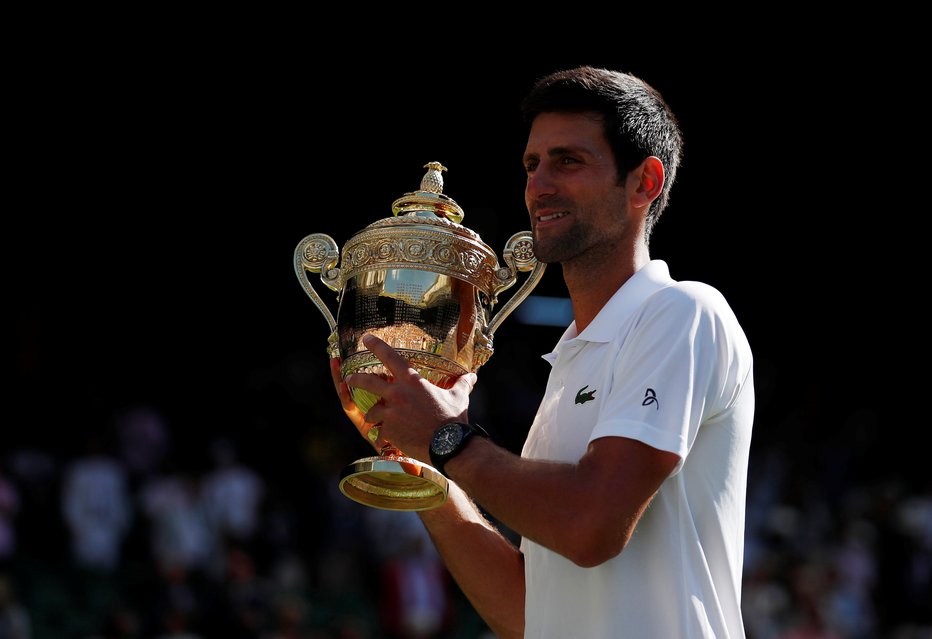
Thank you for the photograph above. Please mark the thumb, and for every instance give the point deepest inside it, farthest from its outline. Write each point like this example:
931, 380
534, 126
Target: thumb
466, 383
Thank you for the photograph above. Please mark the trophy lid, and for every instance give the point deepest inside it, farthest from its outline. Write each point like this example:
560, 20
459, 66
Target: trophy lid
425, 234
430, 198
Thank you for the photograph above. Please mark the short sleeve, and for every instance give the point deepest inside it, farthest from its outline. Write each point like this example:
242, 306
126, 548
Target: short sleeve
667, 371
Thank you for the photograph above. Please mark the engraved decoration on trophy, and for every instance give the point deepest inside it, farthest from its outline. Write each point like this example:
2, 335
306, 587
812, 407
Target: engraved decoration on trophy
426, 285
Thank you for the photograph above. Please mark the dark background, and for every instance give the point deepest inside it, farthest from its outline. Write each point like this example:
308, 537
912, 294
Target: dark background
182, 184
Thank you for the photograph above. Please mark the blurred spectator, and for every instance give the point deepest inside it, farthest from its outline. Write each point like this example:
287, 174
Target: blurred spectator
850, 604
144, 440
9, 508
178, 530
38, 529
232, 494
96, 507
290, 620
914, 519
14, 618
177, 627
414, 599
247, 597
120, 624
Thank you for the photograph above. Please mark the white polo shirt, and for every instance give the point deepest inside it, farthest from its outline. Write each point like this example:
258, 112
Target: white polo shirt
665, 363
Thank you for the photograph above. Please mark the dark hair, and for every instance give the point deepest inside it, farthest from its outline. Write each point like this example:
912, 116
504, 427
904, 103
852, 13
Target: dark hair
637, 121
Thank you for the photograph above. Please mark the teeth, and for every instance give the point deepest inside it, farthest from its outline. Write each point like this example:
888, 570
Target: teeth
547, 218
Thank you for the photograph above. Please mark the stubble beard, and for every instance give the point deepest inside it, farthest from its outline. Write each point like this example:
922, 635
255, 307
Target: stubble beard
584, 241
564, 247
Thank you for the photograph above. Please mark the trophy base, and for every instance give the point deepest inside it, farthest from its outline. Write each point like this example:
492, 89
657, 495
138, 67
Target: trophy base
393, 482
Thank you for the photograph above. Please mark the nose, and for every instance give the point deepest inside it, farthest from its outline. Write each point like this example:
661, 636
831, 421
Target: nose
540, 184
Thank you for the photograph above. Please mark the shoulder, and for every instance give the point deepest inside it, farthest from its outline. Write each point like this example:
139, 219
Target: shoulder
689, 297
694, 307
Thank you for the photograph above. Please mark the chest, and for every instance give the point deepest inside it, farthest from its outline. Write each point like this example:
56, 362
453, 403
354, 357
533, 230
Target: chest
582, 376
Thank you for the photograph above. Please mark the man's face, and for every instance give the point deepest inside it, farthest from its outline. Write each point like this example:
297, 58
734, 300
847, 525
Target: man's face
573, 195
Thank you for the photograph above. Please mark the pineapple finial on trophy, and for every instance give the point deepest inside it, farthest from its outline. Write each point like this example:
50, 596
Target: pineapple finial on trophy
432, 182
429, 200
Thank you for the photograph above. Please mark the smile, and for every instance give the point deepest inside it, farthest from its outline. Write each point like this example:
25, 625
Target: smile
552, 216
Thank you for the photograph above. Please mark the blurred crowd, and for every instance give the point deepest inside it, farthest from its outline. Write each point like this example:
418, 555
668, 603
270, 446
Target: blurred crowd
133, 538
142, 535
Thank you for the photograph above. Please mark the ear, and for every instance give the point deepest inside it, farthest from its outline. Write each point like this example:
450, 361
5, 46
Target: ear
646, 181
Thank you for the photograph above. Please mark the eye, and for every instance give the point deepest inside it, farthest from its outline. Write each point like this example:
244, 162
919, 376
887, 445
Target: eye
530, 166
568, 160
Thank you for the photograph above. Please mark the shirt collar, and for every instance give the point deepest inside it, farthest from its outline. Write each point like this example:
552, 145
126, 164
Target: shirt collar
652, 277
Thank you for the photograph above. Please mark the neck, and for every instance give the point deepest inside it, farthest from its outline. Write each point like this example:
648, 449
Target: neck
591, 282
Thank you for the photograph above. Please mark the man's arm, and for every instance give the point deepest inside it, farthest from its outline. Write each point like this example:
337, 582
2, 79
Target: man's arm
584, 511
488, 568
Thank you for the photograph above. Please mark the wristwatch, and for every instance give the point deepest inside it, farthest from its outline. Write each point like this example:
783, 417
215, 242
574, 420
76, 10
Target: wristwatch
450, 439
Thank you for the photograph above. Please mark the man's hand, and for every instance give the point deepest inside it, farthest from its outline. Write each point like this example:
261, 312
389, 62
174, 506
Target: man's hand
349, 407
411, 408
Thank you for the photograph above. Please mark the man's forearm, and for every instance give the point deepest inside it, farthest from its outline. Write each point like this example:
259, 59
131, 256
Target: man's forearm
488, 568
585, 512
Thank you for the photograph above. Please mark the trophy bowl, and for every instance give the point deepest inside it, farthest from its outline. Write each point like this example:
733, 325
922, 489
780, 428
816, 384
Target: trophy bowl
426, 285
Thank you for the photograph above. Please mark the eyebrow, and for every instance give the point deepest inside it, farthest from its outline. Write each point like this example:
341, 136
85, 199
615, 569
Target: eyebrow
561, 150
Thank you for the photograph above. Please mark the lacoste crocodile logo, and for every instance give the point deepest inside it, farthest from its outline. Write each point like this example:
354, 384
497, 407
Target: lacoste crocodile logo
650, 397
582, 397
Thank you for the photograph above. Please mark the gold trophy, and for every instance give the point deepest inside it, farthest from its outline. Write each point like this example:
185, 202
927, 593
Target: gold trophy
426, 285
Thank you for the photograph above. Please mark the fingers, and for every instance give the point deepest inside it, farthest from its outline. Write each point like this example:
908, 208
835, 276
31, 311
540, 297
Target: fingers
342, 389
400, 369
394, 362
335, 373
403, 397
369, 382
346, 400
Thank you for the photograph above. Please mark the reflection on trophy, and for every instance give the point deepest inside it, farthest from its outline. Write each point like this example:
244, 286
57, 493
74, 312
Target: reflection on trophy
426, 285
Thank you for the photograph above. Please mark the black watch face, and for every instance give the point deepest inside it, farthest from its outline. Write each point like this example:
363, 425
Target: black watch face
447, 439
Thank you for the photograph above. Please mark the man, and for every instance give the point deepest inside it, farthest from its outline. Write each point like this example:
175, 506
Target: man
629, 493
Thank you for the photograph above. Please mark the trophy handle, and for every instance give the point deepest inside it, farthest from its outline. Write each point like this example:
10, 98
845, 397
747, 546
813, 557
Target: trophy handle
318, 253
519, 256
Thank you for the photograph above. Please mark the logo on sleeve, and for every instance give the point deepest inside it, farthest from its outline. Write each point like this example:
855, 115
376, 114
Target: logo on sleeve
650, 397
582, 397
